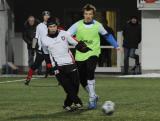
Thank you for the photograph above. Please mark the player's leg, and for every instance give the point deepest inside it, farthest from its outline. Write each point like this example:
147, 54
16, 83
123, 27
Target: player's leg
38, 61
82, 68
63, 79
39, 70
74, 79
91, 66
48, 64
64, 76
30, 57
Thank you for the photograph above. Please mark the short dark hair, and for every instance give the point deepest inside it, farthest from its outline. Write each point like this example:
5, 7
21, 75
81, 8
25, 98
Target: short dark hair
51, 21
89, 7
46, 13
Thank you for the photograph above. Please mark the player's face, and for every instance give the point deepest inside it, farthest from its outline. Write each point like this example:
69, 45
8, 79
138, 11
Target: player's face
52, 29
88, 15
46, 17
31, 21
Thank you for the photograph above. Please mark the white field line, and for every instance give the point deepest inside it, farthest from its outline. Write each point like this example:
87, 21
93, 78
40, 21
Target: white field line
20, 80
149, 75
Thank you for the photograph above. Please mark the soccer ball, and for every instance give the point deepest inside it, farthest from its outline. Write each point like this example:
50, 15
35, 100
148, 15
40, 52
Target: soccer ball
108, 107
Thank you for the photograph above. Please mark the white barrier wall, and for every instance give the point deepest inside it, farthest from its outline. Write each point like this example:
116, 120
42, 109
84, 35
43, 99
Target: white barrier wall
151, 40
6, 32
20, 51
3, 30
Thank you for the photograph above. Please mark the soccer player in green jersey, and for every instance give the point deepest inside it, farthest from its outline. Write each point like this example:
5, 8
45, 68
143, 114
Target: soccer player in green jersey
88, 30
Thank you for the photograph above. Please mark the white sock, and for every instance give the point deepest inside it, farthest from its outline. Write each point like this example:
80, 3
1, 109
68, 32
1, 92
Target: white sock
95, 88
91, 89
87, 88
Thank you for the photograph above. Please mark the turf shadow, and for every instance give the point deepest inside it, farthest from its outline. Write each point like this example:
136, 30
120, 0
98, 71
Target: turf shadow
57, 115
44, 86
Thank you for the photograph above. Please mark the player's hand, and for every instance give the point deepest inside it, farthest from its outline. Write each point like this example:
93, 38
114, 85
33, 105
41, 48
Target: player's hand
54, 70
82, 47
85, 49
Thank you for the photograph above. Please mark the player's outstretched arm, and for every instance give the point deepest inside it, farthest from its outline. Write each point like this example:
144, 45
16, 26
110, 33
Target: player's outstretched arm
82, 47
108, 37
111, 40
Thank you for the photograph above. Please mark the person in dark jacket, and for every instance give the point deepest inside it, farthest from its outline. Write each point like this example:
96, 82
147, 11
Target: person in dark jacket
28, 35
132, 38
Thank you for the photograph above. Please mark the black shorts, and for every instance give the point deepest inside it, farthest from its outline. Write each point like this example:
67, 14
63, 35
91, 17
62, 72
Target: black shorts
87, 69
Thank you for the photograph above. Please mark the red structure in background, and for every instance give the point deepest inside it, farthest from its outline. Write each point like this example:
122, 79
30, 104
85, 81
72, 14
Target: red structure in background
149, 1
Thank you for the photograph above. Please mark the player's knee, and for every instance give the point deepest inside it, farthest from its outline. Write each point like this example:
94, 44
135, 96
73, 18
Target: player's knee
90, 78
90, 75
84, 83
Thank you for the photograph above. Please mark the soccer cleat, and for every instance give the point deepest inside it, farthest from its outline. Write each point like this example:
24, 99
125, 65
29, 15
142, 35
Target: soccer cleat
68, 108
27, 81
92, 105
78, 106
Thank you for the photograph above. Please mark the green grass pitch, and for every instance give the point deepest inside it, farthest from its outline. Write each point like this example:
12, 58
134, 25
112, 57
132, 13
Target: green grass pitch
135, 99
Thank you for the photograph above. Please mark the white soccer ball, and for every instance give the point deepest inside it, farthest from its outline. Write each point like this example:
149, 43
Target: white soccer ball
108, 107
